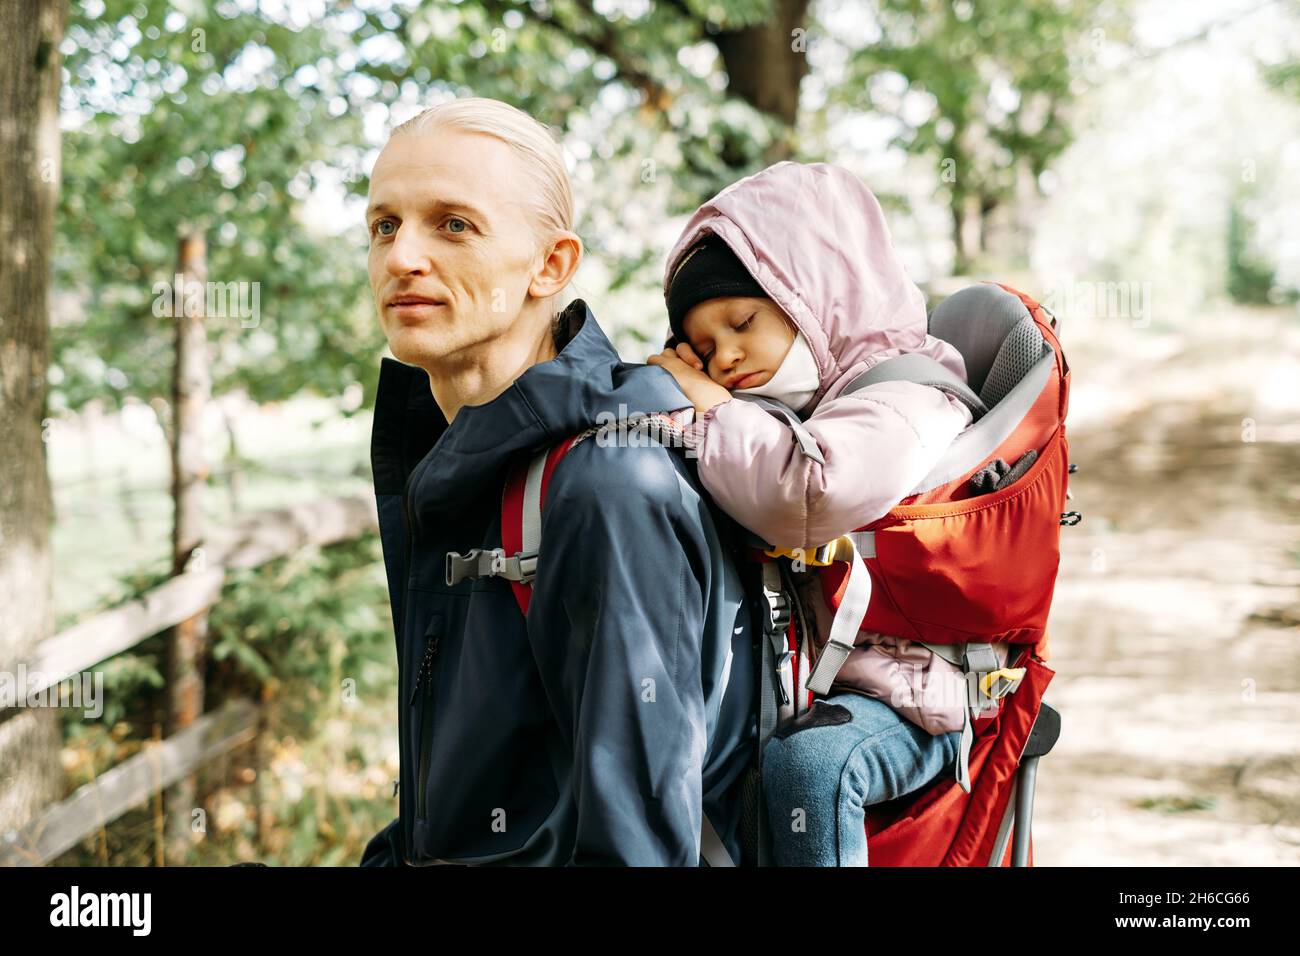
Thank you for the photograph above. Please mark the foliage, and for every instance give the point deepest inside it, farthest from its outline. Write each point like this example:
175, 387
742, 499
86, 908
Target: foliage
222, 121
225, 117
304, 625
1250, 278
979, 89
310, 637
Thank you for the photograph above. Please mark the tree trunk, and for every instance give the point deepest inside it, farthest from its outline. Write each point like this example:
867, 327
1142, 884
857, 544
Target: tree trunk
967, 231
30, 68
186, 645
765, 64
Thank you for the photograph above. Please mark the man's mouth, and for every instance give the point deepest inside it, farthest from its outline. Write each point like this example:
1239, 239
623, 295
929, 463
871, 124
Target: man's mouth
409, 306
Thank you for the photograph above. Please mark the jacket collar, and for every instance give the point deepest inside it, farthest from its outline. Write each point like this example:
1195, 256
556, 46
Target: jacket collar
449, 466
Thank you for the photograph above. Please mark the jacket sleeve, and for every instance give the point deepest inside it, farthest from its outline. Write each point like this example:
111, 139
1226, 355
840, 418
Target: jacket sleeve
878, 443
619, 595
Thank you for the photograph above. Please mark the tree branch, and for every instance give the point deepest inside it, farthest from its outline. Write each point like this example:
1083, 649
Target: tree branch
604, 42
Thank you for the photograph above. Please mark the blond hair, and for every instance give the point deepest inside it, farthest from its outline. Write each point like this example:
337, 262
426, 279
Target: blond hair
532, 141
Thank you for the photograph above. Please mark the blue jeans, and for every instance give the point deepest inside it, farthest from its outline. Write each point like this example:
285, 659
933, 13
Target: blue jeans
846, 753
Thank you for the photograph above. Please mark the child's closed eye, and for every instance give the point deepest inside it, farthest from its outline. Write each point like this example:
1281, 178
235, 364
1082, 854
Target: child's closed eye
742, 326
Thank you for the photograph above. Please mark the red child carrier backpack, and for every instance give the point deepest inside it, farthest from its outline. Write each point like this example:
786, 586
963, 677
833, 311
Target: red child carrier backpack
966, 562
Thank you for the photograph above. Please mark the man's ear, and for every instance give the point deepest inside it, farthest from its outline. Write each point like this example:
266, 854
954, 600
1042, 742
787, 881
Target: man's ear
559, 261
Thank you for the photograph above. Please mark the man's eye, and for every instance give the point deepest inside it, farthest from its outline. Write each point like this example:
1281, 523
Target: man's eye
376, 228
452, 223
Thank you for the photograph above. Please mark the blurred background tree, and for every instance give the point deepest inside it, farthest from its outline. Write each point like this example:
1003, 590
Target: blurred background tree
983, 91
231, 117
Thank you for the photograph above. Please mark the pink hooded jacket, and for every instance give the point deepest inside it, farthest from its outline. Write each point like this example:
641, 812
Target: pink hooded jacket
814, 237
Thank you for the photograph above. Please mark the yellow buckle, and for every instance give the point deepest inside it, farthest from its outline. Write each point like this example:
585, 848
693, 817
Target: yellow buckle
819, 557
1011, 674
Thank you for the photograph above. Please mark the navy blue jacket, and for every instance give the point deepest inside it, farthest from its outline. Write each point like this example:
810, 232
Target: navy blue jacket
596, 730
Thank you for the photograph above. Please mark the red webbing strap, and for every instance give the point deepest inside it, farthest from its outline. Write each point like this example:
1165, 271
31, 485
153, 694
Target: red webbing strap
512, 511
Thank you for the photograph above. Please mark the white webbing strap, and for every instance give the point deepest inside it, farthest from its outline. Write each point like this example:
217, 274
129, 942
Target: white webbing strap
532, 518
864, 541
845, 626
963, 750
975, 660
712, 850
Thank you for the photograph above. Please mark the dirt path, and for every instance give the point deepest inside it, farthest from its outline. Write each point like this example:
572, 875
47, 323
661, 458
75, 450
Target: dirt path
1176, 624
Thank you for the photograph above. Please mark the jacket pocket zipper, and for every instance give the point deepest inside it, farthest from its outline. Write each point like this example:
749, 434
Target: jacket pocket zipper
424, 680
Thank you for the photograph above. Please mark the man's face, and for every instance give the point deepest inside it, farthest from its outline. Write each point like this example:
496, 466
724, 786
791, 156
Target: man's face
448, 225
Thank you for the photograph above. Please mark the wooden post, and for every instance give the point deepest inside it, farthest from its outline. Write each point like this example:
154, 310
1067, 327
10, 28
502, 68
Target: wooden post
191, 389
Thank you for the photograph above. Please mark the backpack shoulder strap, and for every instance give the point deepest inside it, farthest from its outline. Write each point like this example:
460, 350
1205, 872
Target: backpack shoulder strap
521, 527
521, 514
521, 508
923, 370
521, 518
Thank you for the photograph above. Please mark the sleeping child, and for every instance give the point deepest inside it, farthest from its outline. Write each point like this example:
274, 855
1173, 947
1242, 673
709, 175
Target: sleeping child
787, 286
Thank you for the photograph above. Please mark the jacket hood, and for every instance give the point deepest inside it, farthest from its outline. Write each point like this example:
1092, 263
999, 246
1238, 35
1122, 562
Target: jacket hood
814, 237
585, 384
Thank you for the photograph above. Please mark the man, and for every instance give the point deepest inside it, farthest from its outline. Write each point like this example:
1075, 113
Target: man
613, 725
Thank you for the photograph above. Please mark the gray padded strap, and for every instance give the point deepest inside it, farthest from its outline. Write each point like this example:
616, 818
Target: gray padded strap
978, 441
845, 626
980, 657
923, 370
954, 654
990, 426
767, 707
803, 438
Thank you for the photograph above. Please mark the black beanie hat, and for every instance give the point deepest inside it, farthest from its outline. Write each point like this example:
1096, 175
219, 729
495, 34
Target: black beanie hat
710, 270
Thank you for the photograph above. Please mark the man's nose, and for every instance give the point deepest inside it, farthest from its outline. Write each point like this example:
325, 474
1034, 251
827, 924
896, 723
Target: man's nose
408, 253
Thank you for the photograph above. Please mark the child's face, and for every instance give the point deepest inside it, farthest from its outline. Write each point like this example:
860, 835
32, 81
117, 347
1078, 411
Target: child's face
741, 340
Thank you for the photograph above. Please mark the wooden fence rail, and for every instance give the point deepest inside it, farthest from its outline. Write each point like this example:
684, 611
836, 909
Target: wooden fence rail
130, 784
257, 539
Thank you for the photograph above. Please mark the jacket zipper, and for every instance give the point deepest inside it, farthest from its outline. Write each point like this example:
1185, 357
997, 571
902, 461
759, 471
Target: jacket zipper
424, 678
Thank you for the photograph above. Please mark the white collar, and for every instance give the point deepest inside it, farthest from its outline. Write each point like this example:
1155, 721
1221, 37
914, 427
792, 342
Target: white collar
795, 382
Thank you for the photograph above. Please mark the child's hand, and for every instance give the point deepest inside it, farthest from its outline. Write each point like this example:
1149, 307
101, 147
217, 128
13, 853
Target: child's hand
685, 366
